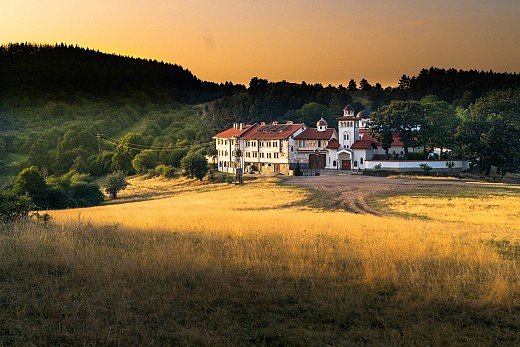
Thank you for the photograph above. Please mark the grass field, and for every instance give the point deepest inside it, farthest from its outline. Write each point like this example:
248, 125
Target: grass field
227, 265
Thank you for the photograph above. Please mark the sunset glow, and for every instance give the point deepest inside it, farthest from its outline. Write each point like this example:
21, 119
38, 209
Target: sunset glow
329, 41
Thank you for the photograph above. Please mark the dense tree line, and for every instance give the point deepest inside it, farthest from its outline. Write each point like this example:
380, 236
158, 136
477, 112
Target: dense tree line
65, 67
269, 101
487, 133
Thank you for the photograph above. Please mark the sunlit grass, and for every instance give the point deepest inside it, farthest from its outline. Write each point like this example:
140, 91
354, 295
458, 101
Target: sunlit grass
494, 211
241, 265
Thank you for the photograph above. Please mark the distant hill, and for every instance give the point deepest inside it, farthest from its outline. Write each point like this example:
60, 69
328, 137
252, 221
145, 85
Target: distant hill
54, 100
71, 68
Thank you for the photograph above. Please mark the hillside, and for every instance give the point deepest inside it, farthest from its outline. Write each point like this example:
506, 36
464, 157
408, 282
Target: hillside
56, 99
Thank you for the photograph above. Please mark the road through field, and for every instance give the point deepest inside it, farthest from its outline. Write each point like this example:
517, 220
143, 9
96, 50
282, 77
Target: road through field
353, 191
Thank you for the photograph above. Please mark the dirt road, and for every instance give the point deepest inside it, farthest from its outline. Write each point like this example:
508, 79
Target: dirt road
352, 192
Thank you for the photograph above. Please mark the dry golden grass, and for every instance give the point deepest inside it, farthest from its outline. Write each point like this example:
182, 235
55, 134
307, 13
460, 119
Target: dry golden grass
229, 265
501, 211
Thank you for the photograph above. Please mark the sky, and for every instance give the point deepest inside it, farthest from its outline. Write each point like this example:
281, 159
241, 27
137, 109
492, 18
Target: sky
327, 41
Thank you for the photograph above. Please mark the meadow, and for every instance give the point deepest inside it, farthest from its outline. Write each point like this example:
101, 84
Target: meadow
230, 265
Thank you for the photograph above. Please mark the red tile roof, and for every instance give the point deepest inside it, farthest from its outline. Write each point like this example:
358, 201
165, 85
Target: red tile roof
227, 134
314, 134
333, 144
395, 140
271, 131
362, 144
347, 118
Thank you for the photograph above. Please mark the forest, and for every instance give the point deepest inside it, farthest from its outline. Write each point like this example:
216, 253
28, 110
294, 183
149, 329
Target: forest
77, 114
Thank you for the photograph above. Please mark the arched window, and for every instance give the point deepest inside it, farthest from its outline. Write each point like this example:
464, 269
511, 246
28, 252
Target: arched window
361, 160
348, 137
344, 136
355, 163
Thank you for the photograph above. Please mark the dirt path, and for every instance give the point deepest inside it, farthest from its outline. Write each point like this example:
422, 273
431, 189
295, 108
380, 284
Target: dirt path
352, 192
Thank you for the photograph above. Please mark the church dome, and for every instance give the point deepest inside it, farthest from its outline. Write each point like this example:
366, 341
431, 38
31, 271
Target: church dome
322, 123
365, 114
348, 109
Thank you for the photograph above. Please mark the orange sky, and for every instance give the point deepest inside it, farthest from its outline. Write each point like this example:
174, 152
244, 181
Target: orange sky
327, 41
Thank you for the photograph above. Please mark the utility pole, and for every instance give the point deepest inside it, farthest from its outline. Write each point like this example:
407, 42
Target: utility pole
99, 138
237, 153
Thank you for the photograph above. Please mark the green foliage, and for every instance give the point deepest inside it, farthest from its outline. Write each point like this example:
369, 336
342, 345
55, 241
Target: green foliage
489, 133
175, 156
195, 165
166, 171
114, 183
144, 161
401, 117
31, 183
86, 194
440, 124
425, 167
297, 170
14, 206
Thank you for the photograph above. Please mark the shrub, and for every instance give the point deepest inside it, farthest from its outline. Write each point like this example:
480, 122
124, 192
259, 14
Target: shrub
13, 206
86, 194
195, 165
297, 170
167, 171
426, 168
114, 183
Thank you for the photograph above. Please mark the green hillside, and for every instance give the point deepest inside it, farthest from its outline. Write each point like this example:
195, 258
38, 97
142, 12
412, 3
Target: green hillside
55, 100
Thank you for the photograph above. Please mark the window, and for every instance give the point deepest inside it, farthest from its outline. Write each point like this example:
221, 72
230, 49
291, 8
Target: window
361, 160
255, 154
261, 155
268, 155
301, 143
224, 164
268, 144
248, 155
225, 153
276, 155
319, 143
355, 163
345, 136
348, 137
292, 149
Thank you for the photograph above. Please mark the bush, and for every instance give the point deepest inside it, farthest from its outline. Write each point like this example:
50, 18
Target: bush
195, 165
166, 171
297, 170
114, 183
13, 206
416, 156
86, 194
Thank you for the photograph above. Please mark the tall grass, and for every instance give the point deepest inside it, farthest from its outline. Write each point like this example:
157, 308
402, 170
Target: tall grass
248, 265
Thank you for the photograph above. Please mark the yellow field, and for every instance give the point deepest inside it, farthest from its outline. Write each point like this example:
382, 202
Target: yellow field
250, 265
501, 212
262, 229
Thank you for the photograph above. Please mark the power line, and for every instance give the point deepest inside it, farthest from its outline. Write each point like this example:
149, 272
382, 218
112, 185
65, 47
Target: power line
138, 147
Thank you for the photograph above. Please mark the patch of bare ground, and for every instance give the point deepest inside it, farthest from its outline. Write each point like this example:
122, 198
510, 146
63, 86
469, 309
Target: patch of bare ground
357, 193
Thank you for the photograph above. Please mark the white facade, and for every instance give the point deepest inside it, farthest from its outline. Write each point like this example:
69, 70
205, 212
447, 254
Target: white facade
279, 147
